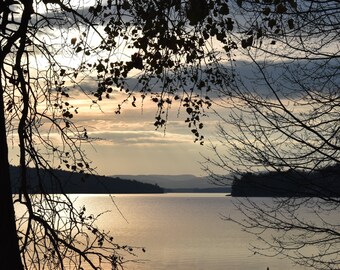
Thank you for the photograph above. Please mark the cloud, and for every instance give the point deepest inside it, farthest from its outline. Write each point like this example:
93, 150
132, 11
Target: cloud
288, 78
140, 138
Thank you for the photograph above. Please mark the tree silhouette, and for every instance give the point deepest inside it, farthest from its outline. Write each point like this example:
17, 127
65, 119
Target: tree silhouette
164, 51
282, 120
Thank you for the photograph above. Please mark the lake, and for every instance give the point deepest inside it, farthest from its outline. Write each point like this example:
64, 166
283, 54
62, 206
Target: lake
180, 231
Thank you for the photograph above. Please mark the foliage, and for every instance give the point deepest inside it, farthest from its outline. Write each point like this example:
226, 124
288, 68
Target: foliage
172, 55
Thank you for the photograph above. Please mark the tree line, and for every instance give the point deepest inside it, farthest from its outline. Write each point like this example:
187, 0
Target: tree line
322, 183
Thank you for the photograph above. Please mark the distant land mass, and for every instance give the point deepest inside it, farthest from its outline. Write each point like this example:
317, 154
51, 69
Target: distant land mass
322, 183
179, 183
76, 183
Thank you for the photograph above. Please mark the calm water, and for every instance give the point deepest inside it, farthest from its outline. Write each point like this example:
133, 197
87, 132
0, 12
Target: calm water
180, 231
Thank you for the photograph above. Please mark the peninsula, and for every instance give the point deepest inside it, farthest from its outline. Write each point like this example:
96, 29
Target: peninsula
59, 181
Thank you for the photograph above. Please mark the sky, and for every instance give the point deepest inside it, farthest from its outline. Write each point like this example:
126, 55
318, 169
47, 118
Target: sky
128, 143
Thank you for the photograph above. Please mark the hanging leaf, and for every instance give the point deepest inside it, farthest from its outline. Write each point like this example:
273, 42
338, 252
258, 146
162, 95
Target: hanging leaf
247, 42
280, 8
291, 24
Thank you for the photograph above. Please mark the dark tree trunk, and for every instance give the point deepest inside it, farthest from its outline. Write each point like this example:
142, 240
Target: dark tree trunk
10, 253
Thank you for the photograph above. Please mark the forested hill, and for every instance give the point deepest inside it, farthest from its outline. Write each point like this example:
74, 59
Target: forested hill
71, 182
322, 183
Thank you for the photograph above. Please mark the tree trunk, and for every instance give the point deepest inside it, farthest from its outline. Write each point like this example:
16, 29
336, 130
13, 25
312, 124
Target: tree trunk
10, 253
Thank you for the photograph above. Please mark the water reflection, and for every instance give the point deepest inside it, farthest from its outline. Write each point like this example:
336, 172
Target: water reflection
180, 231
